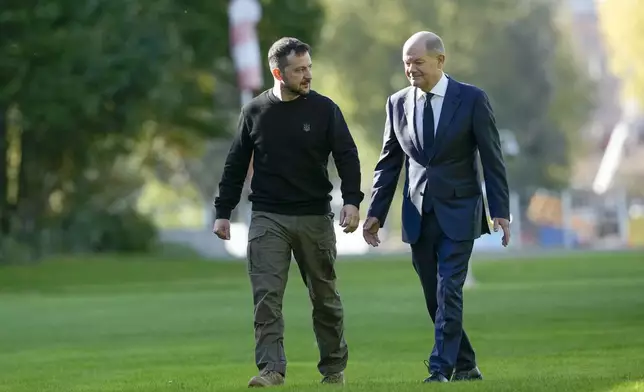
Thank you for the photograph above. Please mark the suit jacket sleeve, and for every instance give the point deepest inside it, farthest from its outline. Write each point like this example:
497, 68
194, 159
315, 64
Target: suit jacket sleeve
387, 170
489, 145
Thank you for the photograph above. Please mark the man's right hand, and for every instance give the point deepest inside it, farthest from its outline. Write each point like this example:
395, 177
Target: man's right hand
370, 231
222, 228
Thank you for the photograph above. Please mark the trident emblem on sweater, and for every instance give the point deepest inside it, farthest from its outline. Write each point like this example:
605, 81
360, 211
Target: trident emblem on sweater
306, 127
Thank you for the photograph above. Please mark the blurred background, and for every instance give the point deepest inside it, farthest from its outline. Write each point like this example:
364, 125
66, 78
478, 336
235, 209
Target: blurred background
116, 117
115, 121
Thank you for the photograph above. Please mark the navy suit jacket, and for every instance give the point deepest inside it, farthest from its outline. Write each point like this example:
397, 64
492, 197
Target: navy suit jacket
448, 173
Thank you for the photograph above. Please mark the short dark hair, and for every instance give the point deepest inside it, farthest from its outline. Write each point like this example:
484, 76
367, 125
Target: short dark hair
282, 48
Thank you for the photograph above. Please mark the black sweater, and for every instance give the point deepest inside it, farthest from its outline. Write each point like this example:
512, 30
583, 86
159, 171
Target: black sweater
291, 142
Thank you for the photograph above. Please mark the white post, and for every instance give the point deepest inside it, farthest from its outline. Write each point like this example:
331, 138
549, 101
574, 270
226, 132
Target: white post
566, 217
623, 216
244, 16
469, 280
515, 220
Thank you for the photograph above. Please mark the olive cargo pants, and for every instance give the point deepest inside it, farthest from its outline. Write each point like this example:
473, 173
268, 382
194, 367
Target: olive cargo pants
272, 238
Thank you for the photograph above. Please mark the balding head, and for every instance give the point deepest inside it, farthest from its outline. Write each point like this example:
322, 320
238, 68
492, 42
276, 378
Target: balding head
424, 57
431, 42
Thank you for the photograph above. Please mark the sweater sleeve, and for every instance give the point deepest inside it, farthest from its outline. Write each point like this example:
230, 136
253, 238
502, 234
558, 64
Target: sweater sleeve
347, 161
235, 170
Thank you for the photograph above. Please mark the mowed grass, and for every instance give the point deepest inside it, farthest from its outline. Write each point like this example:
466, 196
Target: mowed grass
128, 324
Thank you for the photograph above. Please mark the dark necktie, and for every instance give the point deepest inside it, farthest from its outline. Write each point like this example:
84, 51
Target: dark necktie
428, 124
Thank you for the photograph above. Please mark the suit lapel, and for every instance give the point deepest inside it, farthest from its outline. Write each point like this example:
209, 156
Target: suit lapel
410, 114
450, 105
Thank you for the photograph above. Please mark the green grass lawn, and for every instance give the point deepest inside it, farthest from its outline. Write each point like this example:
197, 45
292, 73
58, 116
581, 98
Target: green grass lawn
573, 324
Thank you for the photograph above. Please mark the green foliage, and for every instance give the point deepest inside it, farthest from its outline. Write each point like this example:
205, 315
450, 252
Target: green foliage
197, 163
623, 30
302, 19
513, 50
92, 230
89, 84
14, 252
540, 93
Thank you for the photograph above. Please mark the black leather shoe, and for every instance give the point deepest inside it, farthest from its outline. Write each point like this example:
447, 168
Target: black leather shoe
467, 375
436, 377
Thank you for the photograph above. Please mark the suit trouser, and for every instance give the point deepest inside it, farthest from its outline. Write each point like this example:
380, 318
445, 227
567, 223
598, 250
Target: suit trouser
272, 238
441, 264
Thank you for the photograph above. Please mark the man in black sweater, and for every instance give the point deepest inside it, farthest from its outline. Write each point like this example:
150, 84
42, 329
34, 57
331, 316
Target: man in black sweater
290, 131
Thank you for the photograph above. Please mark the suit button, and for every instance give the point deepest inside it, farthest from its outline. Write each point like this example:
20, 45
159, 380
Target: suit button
422, 193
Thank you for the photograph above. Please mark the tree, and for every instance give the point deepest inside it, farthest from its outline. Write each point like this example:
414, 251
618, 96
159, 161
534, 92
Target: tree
540, 92
195, 162
623, 30
513, 50
96, 86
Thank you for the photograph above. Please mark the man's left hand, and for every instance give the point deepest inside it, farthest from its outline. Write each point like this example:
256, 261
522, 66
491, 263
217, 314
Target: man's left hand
505, 225
349, 218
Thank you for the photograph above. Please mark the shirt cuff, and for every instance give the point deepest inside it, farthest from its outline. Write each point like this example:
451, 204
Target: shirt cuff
353, 200
223, 213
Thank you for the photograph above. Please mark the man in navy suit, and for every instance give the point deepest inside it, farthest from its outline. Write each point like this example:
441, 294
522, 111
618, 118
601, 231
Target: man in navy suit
434, 128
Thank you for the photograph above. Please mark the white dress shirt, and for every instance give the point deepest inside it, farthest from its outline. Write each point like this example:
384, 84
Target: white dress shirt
437, 99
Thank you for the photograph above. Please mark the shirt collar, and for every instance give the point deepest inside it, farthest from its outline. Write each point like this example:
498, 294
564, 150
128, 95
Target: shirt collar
439, 89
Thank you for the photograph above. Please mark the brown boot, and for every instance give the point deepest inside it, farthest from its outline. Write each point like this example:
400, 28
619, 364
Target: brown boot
334, 378
266, 378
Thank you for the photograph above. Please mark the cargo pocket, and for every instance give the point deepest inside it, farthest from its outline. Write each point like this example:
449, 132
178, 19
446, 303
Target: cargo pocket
255, 235
327, 252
